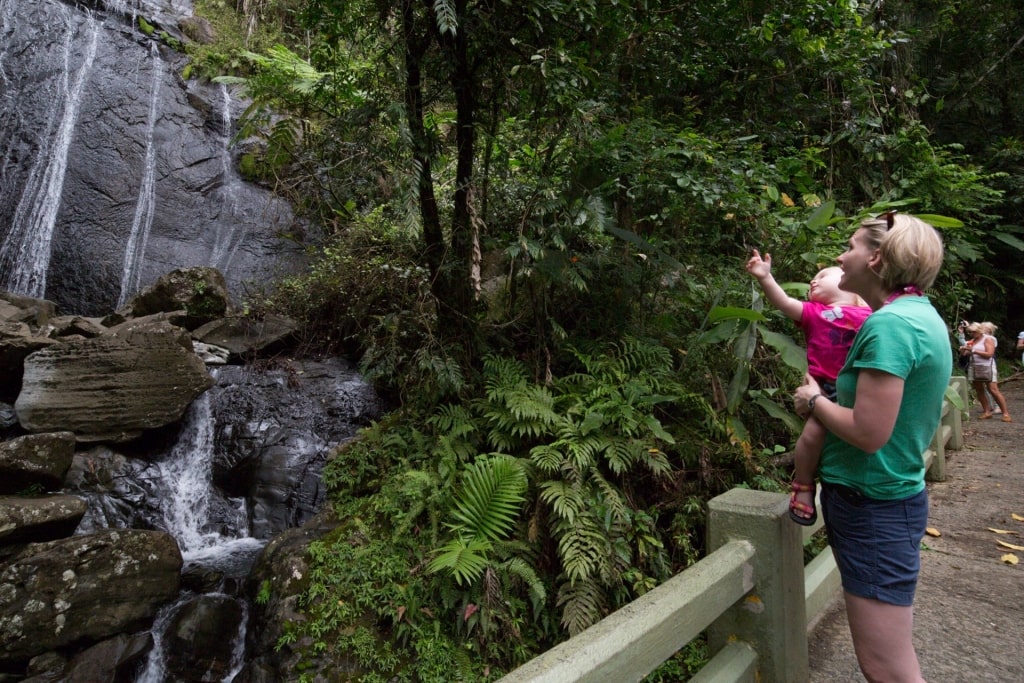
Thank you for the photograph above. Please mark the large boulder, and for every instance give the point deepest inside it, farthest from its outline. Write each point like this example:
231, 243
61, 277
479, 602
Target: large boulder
247, 337
17, 342
25, 309
39, 518
109, 389
115, 660
122, 492
281, 575
195, 638
200, 291
41, 460
84, 589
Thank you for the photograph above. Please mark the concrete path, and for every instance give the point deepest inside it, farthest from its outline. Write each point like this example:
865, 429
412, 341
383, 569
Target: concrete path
969, 610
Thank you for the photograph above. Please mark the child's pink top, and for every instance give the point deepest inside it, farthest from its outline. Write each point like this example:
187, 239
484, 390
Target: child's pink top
829, 330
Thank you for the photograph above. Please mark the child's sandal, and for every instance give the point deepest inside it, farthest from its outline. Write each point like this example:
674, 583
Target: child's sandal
802, 513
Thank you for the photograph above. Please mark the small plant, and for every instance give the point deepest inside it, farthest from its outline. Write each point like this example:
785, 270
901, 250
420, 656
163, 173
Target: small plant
263, 595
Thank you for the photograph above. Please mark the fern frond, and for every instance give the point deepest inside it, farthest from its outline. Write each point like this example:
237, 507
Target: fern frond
464, 559
491, 497
304, 78
656, 461
583, 453
581, 547
564, 500
612, 497
620, 454
445, 370
583, 604
547, 457
453, 420
501, 376
518, 568
639, 356
453, 449
447, 20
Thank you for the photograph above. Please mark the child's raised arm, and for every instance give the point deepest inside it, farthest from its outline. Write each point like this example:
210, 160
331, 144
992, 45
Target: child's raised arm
761, 269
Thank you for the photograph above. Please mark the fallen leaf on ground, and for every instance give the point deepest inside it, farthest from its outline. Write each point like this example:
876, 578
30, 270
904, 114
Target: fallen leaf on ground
1017, 517
932, 531
1001, 531
1011, 546
1009, 558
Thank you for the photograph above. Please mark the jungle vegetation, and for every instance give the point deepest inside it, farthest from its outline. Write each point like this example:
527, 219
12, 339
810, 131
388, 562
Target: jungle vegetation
528, 222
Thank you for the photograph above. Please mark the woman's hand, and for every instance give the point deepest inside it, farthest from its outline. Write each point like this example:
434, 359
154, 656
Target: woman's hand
803, 394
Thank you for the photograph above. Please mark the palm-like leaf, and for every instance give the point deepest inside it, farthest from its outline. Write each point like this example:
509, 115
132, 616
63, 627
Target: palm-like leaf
491, 496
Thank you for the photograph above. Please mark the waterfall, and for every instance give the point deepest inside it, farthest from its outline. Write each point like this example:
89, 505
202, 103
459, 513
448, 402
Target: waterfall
131, 274
124, 8
229, 237
25, 254
7, 140
191, 510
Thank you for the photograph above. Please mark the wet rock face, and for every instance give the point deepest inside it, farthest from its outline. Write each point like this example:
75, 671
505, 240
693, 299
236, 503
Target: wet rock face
275, 430
115, 171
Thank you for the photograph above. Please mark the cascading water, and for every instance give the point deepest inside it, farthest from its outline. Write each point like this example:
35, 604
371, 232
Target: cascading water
212, 531
6, 28
227, 240
131, 274
25, 253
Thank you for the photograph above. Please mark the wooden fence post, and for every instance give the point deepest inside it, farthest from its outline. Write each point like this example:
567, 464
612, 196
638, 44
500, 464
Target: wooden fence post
772, 618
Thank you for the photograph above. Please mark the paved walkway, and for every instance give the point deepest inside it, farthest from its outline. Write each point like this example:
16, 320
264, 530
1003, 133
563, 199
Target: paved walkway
969, 610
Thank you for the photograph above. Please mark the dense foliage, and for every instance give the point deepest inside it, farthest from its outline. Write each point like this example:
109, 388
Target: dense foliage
531, 223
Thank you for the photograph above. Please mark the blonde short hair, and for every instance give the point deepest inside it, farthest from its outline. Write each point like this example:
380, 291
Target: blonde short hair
984, 328
911, 250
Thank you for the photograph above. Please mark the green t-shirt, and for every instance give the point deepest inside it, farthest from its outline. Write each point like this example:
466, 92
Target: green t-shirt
906, 338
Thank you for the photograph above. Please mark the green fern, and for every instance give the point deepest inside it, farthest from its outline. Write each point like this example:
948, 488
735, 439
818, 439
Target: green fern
581, 603
484, 511
465, 559
491, 497
447, 20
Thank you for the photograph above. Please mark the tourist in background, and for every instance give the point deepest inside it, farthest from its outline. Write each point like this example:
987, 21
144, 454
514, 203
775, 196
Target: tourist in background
981, 347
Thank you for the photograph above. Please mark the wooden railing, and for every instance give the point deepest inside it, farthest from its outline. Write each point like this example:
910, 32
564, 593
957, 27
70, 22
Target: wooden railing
751, 593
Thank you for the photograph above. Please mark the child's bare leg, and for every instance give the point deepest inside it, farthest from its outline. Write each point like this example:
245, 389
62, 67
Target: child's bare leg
805, 462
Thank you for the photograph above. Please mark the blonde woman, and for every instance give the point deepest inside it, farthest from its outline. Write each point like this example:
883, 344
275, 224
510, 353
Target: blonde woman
889, 401
981, 346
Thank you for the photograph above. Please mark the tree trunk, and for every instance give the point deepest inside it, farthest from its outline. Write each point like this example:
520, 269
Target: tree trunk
416, 44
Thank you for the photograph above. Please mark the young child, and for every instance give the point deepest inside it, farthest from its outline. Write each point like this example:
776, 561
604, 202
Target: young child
829, 319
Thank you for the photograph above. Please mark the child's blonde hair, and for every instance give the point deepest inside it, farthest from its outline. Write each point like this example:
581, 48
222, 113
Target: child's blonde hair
850, 298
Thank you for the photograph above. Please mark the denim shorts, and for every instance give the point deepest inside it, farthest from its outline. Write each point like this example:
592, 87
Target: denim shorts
876, 543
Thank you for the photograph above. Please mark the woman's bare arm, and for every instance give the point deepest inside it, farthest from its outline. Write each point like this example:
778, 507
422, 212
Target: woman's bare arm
869, 424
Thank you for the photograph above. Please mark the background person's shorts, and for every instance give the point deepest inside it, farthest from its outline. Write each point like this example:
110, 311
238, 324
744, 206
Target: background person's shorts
876, 543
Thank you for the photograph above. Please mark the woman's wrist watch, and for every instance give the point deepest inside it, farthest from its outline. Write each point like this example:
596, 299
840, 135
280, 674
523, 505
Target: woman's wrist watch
810, 404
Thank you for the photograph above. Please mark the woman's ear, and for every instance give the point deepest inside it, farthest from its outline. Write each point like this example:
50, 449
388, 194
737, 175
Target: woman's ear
875, 262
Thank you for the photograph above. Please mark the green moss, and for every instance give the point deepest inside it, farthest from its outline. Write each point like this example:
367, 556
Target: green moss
146, 27
249, 166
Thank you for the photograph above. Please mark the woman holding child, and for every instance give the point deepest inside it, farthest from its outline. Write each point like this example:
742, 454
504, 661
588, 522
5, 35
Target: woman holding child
889, 402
